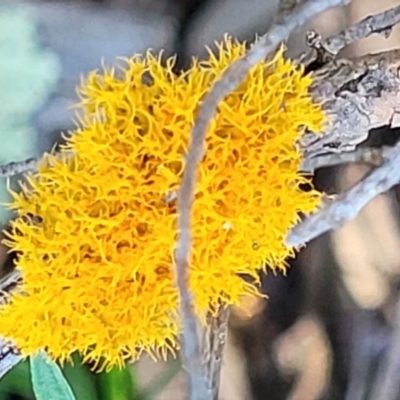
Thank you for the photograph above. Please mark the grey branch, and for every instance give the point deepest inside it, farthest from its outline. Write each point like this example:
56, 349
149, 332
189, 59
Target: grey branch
212, 346
9, 356
380, 23
16, 168
359, 95
231, 78
366, 155
324, 50
335, 214
9, 284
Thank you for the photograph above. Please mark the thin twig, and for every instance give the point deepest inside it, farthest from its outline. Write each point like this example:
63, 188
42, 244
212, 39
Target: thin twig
15, 168
30, 164
380, 23
309, 165
231, 78
213, 343
367, 155
328, 49
8, 284
9, 356
8, 360
335, 214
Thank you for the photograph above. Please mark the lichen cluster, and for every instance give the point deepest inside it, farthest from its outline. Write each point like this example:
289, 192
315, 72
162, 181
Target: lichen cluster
96, 232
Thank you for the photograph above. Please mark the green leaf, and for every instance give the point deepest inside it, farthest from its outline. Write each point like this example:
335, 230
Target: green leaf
118, 384
81, 380
47, 380
16, 383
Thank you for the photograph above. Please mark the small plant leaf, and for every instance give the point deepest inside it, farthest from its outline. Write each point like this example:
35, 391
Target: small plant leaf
47, 379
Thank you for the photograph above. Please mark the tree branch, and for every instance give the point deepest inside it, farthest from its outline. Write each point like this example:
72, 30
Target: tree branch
367, 155
380, 23
324, 50
212, 343
335, 214
359, 95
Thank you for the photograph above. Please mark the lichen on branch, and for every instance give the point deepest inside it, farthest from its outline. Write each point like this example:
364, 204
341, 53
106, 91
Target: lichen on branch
96, 231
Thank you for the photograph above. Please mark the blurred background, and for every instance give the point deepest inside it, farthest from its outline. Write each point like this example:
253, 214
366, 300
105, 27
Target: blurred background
324, 328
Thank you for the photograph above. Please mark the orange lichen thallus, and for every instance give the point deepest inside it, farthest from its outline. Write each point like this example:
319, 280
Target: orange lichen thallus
96, 231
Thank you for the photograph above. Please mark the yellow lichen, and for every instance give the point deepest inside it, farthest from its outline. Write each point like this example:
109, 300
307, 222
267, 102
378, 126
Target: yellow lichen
96, 231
